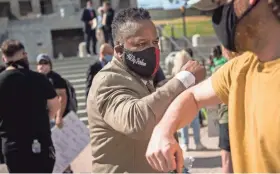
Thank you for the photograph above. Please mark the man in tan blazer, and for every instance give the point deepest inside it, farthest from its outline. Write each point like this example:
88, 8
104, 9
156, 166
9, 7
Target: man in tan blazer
123, 106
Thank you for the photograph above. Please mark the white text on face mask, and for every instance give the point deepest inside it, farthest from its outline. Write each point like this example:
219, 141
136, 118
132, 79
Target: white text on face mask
136, 60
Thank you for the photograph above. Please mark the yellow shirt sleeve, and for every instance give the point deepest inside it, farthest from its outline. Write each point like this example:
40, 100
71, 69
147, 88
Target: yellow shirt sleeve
221, 80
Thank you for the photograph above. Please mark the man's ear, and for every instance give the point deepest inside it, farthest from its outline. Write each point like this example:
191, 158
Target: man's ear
118, 49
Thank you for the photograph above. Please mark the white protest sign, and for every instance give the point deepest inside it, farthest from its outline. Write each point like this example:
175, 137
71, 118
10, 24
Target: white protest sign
69, 141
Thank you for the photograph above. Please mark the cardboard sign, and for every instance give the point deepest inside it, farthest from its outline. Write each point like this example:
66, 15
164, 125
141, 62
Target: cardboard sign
69, 141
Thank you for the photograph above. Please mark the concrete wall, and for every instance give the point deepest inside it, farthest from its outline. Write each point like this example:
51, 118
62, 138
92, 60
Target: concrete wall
32, 38
34, 32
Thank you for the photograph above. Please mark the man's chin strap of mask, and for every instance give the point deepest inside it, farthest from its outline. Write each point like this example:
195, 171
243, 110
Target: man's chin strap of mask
22, 63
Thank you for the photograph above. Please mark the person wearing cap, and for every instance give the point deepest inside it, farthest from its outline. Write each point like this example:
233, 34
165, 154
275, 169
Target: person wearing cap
248, 84
44, 66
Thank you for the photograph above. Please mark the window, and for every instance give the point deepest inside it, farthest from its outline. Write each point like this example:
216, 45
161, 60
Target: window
5, 9
124, 4
83, 3
46, 7
25, 7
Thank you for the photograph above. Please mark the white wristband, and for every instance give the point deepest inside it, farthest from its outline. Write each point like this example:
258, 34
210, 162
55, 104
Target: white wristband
187, 78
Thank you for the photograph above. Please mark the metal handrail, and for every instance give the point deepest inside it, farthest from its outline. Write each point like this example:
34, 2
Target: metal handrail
195, 48
177, 47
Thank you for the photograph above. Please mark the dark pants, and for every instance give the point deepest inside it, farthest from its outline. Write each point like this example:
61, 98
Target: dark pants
224, 137
91, 36
28, 162
108, 36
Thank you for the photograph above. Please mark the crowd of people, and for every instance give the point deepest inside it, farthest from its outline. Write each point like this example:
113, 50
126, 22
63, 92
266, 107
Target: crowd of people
134, 111
97, 27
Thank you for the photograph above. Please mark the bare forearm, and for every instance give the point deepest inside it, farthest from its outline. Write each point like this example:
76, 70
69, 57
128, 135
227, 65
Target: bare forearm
60, 112
180, 113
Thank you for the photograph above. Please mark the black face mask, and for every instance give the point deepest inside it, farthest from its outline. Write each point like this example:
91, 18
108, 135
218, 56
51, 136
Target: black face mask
144, 63
225, 22
23, 63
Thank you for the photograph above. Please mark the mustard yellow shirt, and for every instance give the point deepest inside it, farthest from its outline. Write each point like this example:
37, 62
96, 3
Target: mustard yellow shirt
252, 91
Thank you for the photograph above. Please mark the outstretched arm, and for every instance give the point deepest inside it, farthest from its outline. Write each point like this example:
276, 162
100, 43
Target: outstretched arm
186, 106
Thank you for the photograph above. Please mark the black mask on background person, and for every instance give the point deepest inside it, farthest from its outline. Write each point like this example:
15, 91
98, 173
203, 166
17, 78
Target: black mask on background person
145, 63
225, 21
23, 63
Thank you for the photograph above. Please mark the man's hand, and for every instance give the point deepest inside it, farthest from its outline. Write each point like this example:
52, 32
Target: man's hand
90, 22
59, 122
196, 69
164, 153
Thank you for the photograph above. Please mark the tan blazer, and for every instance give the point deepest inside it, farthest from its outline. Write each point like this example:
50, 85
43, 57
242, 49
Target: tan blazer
122, 113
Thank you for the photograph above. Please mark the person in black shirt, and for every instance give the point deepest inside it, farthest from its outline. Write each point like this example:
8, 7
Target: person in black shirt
44, 66
24, 119
88, 17
107, 22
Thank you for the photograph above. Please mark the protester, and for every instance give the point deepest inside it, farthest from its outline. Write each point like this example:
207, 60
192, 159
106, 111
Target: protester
25, 128
89, 18
107, 22
217, 58
180, 60
99, 32
44, 66
248, 84
105, 56
123, 106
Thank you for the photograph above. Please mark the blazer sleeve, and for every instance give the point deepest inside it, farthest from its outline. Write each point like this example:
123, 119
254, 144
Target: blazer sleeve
126, 112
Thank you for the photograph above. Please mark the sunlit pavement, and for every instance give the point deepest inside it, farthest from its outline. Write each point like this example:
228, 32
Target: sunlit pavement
207, 161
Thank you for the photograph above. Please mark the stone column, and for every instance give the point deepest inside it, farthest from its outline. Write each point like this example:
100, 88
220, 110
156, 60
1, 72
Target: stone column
133, 3
36, 8
15, 8
115, 4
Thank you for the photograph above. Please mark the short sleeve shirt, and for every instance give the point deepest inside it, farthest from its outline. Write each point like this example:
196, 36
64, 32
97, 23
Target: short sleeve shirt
23, 104
56, 80
252, 90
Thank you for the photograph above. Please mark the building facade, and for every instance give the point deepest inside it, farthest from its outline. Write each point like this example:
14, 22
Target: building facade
48, 26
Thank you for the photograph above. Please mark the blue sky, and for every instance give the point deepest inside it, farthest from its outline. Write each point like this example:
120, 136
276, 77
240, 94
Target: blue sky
160, 4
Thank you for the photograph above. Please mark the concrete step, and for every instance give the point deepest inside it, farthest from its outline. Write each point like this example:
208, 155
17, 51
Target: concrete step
79, 86
71, 67
80, 92
81, 105
72, 71
81, 98
75, 76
